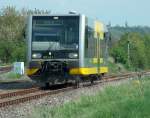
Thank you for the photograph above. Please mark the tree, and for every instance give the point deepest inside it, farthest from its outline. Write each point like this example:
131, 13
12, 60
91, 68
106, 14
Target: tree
138, 50
12, 33
12, 28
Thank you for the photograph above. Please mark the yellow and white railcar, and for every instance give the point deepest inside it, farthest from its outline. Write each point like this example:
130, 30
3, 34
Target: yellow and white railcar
63, 47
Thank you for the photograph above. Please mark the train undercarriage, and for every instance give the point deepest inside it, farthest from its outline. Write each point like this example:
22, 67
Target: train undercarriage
57, 72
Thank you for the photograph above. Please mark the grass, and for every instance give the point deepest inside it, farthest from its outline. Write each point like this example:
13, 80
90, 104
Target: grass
11, 76
130, 100
116, 68
112, 67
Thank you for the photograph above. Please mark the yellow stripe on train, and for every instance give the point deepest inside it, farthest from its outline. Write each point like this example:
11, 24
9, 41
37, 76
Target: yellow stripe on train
87, 71
31, 71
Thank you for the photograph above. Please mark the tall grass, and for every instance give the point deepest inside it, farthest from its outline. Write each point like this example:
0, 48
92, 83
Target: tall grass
12, 75
130, 100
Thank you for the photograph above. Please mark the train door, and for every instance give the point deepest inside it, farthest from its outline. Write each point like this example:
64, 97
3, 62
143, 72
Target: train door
99, 36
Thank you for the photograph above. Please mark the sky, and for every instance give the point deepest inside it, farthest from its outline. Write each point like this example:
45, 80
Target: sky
135, 12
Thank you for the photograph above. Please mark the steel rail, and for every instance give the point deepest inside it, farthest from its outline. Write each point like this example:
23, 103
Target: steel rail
30, 95
19, 92
5, 69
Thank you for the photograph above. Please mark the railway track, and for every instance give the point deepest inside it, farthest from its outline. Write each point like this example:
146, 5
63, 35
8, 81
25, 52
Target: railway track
5, 69
19, 92
25, 95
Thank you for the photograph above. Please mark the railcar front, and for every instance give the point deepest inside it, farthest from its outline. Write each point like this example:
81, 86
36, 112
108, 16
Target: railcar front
53, 47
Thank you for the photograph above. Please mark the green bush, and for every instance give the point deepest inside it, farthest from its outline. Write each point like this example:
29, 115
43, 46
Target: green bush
138, 51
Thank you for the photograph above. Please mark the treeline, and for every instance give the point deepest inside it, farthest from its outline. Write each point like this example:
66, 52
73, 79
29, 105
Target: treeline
12, 33
132, 50
137, 55
118, 31
13, 43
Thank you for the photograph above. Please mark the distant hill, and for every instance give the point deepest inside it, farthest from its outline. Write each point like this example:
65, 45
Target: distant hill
118, 31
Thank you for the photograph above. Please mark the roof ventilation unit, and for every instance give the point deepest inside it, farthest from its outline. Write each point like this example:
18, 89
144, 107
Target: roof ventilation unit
72, 12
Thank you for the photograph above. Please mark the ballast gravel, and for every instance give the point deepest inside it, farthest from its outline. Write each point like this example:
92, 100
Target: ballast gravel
24, 110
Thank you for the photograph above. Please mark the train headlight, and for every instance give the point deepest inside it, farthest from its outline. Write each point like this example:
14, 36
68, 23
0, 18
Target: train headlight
36, 55
73, 55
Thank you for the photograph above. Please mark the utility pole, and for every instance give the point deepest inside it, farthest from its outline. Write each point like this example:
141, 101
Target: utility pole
128, 51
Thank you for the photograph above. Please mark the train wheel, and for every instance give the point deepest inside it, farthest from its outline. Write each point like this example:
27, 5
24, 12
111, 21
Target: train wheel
77, 84
92, 81
77, 81
47, 85
92, 78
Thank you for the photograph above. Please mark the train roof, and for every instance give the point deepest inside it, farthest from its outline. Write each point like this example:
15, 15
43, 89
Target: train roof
56, 14
75, 14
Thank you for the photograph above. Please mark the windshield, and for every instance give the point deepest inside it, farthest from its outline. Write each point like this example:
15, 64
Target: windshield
55, 33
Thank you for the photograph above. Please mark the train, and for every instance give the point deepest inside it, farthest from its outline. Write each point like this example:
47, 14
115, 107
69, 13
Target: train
64, 48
